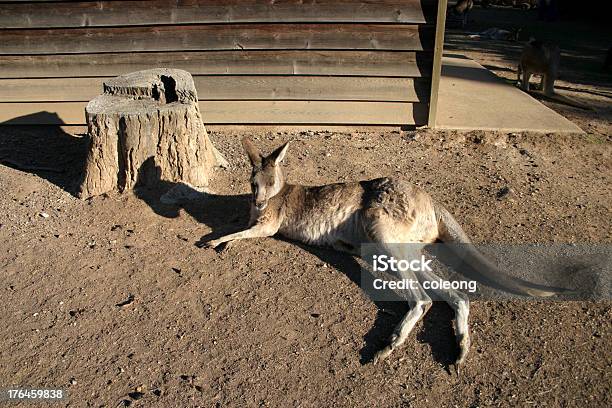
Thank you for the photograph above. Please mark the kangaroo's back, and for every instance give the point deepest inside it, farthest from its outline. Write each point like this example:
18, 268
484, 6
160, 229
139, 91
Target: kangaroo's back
351, 213
540, 57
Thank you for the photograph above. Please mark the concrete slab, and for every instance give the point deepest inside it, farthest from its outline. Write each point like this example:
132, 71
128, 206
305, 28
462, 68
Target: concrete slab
472, 97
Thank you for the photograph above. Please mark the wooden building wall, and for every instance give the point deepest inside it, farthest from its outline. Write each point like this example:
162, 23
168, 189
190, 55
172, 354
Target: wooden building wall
253, 61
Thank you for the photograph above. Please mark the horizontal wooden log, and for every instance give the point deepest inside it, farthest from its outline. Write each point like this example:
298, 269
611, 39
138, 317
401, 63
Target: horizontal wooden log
217, 37
370, 63
241, 112
317, 112
233, 88
162, 12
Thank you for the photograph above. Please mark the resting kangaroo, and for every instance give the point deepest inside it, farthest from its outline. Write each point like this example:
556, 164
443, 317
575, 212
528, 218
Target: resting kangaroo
380, 211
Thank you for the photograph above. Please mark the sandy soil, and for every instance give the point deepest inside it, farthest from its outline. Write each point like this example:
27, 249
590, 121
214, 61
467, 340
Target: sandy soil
112, 300
272, 323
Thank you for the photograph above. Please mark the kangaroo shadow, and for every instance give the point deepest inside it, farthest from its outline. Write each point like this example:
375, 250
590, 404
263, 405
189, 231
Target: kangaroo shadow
168, 198
44, 150
437, 330
230, 213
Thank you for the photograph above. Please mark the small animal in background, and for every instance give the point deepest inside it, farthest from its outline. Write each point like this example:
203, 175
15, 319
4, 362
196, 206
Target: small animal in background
541, 58
462, 9
495, 33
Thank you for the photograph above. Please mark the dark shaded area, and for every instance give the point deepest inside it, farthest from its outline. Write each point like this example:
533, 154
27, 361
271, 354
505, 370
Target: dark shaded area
439, 333
169, 88
121, 176
579, 64
47, 151
36, 118
166, 93
590, 10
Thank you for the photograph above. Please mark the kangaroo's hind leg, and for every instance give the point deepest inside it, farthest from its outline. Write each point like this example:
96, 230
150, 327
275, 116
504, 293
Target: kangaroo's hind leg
387, 233
460, 303
526, 76
548, 83
419, 305
415, 295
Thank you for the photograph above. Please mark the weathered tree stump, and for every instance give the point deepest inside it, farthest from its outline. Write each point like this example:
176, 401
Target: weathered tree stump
144, 128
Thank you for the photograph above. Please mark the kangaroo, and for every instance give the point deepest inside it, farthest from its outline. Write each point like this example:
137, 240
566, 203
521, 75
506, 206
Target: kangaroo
539, 58
380, 211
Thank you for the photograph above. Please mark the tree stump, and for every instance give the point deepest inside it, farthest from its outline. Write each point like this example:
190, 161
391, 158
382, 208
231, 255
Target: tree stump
144, 128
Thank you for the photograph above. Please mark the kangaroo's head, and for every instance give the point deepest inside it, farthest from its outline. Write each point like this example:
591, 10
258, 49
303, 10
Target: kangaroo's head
267, 177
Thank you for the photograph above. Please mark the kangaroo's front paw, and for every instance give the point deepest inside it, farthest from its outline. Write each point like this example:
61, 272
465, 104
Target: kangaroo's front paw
218, 245
208, 244
225, 247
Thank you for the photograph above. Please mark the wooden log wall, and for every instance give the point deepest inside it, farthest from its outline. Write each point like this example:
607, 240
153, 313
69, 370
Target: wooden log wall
253, 61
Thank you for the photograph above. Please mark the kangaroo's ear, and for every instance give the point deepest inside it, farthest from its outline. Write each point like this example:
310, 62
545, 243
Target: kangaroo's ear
252, 151
278, 155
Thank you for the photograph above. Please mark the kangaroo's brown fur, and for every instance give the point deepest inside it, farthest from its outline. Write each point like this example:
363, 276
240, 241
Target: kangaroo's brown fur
382, 211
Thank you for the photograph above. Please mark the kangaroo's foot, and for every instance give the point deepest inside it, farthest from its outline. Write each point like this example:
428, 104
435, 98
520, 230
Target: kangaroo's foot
462, 331
218, 245
382, 354
463, 341
460, 303
403, 329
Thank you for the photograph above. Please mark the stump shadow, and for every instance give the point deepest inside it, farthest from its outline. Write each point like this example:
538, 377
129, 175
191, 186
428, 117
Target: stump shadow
44, 150
230, 213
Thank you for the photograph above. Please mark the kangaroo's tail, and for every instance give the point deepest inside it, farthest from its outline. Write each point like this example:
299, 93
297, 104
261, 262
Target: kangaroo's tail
482, 269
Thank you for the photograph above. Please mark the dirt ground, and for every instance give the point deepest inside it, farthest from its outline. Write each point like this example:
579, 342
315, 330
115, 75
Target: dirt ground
111, 299
272, 323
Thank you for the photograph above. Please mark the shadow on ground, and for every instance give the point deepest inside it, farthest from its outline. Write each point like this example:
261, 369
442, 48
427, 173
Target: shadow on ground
47, 151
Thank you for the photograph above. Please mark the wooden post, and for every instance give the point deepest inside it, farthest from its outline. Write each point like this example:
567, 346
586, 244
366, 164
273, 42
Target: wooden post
146, 127
437, 62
